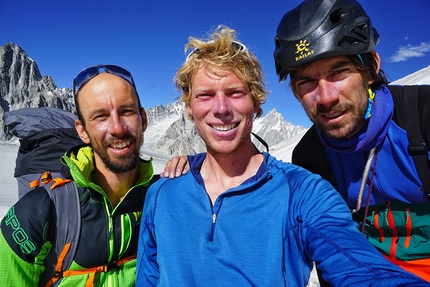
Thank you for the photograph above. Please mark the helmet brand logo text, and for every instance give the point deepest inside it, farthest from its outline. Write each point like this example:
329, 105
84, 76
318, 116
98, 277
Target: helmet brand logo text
302, 50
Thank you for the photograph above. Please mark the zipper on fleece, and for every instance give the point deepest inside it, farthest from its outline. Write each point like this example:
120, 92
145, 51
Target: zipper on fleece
215, 210
211, 235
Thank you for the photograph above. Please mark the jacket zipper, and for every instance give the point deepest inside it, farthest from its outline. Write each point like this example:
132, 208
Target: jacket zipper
211, 235
215, 208
408, 226
377, 226
110, 229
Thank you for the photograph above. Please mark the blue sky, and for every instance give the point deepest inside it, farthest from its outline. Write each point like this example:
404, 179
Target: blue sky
147, 37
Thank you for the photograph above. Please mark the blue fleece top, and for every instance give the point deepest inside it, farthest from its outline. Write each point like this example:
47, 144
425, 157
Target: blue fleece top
265, 232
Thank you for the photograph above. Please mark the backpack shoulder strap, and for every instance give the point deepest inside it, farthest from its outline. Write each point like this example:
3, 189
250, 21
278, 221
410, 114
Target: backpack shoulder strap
407, 115
64, 194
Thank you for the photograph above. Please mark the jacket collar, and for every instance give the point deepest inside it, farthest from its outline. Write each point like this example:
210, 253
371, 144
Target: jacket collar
80, 160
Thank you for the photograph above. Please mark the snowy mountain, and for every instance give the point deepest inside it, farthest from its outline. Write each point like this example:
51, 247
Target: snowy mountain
420, 77
169, 131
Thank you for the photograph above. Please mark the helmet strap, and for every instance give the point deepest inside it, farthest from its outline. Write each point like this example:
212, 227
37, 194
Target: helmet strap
371, 95
369, 104
361, 59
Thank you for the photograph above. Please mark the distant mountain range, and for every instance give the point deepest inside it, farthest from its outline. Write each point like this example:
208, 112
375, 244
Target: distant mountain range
169, 131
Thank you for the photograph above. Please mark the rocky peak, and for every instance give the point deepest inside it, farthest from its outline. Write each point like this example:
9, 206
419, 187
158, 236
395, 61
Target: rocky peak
22, 85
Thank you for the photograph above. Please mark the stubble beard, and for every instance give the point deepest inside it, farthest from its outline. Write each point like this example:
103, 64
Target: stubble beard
119, 164
224, 147
348, 127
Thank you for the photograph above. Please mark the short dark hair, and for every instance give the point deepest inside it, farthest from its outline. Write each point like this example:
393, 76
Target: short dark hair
367, 69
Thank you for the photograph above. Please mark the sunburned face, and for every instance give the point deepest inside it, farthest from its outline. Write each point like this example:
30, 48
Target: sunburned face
334, 96
222, 109
114, 125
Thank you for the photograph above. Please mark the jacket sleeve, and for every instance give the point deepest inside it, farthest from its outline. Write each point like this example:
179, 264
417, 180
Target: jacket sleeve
24, 240
328, 236
147, 269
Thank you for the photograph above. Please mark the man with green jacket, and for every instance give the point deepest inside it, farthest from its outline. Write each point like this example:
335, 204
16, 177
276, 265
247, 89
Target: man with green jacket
111, 183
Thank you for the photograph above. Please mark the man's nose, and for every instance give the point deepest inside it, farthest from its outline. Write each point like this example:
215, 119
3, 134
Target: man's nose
116, 125
221, 104
327, 94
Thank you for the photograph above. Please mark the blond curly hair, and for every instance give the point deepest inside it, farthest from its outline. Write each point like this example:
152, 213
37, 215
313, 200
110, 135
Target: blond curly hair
222, 50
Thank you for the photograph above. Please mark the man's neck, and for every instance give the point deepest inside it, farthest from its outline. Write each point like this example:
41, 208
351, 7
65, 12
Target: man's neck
221, 172
115, 185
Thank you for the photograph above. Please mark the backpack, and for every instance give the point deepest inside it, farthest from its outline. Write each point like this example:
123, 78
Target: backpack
411, 112
45, 134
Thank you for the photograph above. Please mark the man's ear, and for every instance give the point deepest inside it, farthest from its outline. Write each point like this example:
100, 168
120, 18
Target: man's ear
189, 112
80, 129
377, 64
257, 108
144, 119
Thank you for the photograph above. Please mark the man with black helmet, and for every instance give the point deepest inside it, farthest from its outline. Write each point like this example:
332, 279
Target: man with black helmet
357, 140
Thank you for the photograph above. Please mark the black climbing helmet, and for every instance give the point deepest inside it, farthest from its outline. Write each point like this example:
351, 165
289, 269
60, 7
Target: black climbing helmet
318, 29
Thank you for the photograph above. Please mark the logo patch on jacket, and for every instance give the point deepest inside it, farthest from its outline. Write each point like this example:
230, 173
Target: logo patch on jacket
19, 235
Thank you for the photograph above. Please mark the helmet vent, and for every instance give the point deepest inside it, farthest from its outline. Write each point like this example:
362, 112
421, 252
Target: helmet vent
362, 32
339, 13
